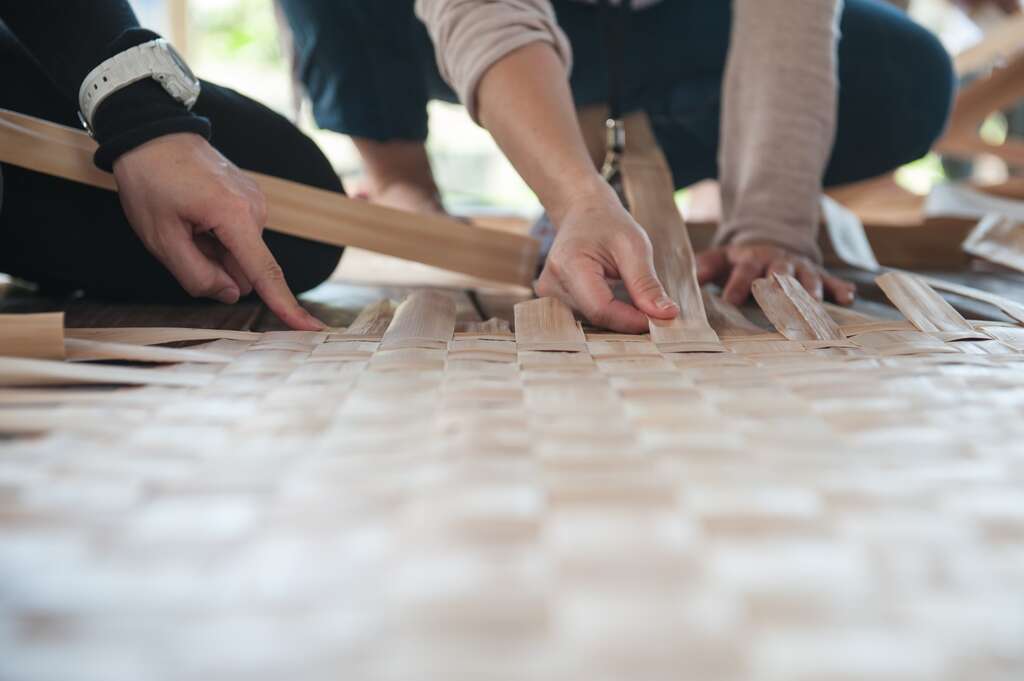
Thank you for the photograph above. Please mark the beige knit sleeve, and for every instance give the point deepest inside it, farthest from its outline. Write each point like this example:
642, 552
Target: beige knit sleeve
778, 120
471, 35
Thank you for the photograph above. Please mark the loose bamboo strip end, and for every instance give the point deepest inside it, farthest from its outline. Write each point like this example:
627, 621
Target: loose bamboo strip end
925, 308
39, 336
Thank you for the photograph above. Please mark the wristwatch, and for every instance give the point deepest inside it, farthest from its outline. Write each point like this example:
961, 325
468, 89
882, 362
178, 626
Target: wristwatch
156, 59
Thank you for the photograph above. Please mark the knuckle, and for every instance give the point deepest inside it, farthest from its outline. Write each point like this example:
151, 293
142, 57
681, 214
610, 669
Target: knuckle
272, 272
632, 242
647, 284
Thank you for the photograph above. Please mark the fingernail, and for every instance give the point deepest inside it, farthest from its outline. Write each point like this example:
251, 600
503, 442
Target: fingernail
665, 303
316, 322
228, 295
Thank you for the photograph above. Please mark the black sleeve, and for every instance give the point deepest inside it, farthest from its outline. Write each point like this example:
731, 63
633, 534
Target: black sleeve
69, 38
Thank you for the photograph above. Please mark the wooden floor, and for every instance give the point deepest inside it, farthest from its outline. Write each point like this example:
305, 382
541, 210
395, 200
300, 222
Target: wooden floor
319, 510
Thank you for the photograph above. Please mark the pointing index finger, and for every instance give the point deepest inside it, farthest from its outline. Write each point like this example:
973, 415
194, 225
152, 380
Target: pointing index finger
259, 265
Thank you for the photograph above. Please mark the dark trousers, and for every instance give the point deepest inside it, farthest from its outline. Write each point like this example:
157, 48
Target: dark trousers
64, 236
896, 80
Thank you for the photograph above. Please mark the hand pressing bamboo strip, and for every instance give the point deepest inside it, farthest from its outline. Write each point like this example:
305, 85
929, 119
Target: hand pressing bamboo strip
300, 210
547, 324
426, 319
925, 308
650, 193
40, 336
795, 314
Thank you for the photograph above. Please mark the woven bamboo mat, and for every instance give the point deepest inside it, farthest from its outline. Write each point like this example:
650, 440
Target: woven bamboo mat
419, 496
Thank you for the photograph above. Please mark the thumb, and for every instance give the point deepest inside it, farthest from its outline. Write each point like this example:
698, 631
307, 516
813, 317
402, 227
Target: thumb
645, 290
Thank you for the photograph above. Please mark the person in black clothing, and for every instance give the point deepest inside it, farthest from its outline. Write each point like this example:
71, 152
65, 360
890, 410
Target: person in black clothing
186, 221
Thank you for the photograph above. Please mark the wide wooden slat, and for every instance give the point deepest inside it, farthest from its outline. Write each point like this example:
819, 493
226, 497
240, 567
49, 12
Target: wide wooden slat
301, 210
925, 308
32, 335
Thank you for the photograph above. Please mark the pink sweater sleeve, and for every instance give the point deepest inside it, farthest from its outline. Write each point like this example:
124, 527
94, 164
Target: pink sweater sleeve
780, 99
471, 35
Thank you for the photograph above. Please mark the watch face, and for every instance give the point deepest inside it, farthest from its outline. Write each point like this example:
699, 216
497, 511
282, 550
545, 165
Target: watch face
179, 61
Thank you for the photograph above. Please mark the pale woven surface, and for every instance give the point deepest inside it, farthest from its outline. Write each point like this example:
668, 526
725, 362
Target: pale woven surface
322, 509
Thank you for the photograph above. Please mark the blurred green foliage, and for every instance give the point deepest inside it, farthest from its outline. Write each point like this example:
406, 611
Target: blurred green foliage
238, 30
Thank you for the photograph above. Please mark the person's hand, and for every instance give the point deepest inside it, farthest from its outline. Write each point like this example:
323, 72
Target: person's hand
598, 241
738, 265
1008, 6
203, 219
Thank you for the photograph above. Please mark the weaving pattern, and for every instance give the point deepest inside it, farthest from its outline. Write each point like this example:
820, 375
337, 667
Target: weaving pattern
415, 497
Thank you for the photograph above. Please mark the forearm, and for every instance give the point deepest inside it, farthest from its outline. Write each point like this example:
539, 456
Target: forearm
778, 120
525, 103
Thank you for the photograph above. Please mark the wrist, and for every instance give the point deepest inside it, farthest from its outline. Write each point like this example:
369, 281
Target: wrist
173, 141
585, 191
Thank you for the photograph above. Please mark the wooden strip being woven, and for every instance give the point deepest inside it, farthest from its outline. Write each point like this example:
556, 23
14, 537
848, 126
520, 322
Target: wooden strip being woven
322, 508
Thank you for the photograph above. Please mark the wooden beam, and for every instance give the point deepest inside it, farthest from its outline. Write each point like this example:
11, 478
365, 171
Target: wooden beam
301, 210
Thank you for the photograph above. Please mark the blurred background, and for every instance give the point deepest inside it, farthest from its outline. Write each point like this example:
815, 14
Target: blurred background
237, 43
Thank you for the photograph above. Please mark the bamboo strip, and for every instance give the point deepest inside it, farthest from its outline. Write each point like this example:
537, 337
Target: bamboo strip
40, 336
482, 349
370, 325
1010, 335
93, 396
726, 319
300, 210
795, 314
650, 191
30, 421
158, 335
998, 239
896, 343
492, 329
925, 308
426, 319
547, 324
1012, 308
18, 371
79, 350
